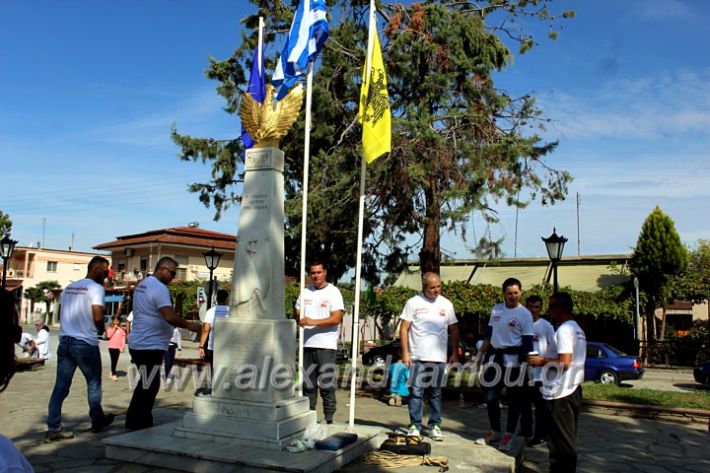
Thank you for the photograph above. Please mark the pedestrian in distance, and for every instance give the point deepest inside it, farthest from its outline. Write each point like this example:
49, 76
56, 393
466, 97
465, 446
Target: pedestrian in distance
206, 350
428, 319
81, 308
41, 347
319, 310
116, 344
508, 340
153, 322
398, 382
543, 341
562, 378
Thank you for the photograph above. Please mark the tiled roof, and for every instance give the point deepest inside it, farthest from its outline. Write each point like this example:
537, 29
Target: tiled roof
178, 235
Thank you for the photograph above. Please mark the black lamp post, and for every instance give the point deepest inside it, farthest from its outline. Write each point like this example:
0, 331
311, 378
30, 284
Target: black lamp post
7, 246
212, 261
555, 245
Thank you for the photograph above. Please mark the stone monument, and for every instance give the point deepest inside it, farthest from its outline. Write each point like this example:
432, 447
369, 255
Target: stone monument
253, 401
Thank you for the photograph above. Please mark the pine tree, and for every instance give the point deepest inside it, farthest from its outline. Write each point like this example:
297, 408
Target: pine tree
5, 225
460, 144
658, 256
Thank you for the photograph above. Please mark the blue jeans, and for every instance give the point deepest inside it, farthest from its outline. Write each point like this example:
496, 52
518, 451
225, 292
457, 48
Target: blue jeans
430, 376
73, 353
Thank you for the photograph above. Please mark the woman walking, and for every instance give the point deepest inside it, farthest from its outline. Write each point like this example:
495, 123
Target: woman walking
116, 344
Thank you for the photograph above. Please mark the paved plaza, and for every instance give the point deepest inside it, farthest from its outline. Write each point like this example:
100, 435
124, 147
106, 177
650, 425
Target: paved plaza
608, 443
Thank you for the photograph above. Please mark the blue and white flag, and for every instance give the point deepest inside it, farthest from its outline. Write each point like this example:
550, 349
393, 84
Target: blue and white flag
308, 33
256, 87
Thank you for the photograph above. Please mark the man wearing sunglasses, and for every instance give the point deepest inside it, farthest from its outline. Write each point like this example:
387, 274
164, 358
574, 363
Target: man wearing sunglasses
153, 322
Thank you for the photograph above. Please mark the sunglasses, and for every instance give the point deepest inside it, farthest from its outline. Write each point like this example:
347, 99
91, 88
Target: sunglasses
172, 273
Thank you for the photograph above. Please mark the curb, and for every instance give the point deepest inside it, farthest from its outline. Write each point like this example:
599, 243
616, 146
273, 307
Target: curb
675, 414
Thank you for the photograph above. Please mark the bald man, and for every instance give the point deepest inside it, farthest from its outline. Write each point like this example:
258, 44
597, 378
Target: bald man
428, 319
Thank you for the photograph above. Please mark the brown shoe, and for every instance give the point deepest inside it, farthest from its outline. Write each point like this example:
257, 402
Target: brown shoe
50, 436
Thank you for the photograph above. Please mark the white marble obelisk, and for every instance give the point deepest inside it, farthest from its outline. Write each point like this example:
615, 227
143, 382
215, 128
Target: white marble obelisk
253, 401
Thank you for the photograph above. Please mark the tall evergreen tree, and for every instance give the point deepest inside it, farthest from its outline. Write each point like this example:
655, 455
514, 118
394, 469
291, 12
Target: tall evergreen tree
460, 144
658, 256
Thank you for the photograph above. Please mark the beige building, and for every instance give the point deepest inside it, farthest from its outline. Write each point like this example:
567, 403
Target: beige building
30, 266
134, 256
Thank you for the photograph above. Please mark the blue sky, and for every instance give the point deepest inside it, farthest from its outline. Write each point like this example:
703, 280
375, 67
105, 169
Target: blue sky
89, 91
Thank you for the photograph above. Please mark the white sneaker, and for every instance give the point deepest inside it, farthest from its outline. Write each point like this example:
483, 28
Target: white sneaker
435, 433
414, 432
488, 438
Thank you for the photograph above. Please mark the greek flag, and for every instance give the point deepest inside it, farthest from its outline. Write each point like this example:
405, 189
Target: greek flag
308, 33
256, 87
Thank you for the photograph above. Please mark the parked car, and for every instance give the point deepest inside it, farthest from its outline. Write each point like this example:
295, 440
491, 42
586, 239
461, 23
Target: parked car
378, 356
701, 373
609, 365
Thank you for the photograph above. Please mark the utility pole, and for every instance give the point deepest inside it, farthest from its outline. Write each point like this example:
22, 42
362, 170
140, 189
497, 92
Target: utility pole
44, 227
578, 239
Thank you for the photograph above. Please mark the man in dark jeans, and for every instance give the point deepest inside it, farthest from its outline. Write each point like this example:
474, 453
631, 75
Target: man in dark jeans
320, 310
153, 322
82, 313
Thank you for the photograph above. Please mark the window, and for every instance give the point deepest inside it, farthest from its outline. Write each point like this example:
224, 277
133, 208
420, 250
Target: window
144, 264
182, 260
77, 267
51, 266
121, 265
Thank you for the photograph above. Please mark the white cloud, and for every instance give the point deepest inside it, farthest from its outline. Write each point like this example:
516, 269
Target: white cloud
153, 130
661, 10
649, 108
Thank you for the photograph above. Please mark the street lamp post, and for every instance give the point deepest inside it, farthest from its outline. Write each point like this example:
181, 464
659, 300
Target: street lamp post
7, 246
637, 315
555, 245
211, 260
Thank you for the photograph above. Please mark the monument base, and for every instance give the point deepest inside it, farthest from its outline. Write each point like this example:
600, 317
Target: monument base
158, 446
247, 423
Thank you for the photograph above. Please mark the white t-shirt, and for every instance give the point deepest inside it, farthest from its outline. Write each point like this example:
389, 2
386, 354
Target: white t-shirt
569, 338
429, 332
76, 316
543, 343
42, 344
509, 327
150, 331
319, 304
25, 339
11, 460
210, 316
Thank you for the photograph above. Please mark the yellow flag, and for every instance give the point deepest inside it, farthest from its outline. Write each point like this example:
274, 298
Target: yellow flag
375, 105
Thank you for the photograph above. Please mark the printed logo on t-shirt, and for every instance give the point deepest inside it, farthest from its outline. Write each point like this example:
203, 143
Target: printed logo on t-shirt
495, 319
580, 336
442, 313
513, 323
324, 303
420, 311
307, 301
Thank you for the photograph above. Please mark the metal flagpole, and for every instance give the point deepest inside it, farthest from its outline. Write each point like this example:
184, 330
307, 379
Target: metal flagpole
361, 218
304, 216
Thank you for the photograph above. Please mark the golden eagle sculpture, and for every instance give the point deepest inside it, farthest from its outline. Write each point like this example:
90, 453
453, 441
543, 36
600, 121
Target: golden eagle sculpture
267, 125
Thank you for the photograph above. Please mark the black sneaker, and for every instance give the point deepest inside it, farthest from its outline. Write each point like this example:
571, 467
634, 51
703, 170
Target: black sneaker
50, 436
108, 420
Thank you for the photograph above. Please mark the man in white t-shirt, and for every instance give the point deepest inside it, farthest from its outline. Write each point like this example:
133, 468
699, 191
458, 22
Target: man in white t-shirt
206, 349
427, 321
319, 311
509, 337
543, 343
81, 308
153, 324
562, 378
